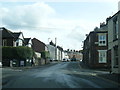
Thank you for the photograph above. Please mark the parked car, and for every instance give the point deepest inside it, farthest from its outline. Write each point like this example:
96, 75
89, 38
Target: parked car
64, 60
73, 59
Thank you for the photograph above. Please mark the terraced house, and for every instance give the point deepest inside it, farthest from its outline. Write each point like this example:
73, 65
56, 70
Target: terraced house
41, 50
95, 48
114, 41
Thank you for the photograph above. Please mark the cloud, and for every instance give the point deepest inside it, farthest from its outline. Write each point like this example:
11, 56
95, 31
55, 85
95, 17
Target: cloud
41, 21
60, 0
77, 33
27, 16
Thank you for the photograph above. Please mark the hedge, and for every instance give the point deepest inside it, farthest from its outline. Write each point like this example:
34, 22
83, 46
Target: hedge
20, 52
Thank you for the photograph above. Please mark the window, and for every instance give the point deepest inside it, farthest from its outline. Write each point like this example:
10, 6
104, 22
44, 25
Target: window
19, 42
102, 56
4, 42
115, 35
102, 39
116, 55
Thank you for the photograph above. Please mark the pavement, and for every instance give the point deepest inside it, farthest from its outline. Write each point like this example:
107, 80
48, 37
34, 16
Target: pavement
28, 67
107, 76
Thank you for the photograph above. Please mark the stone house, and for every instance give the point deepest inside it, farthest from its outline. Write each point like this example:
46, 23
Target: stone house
114, 41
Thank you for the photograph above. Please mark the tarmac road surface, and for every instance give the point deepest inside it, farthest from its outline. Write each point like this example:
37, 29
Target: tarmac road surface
59, 75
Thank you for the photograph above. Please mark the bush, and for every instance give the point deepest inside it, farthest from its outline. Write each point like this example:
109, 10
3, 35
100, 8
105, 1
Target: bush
45, 54
20, 52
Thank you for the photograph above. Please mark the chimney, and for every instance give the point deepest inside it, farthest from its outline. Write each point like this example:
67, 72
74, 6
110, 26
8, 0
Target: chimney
118, 5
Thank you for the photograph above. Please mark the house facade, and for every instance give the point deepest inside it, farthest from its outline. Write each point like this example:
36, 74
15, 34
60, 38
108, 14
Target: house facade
28, 42
114, 41
15, 39
40, 48
56, 52
59, 53
12, 38
95, 48
51, 49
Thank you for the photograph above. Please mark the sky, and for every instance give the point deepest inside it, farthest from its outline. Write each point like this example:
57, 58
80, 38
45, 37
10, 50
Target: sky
67, 20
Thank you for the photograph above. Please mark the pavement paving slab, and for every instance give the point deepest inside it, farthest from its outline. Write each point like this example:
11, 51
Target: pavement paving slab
112, 77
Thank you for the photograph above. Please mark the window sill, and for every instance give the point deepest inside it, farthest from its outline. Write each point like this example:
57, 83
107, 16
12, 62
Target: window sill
115, 40
102, 45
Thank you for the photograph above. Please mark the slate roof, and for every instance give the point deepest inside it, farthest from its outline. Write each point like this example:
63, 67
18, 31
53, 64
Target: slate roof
26, 40
8, 34
16, 35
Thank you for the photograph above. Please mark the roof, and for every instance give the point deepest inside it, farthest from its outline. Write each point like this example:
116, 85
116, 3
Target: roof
60, 48
26, 40
38, 46
16, 35
112, 16
8, 34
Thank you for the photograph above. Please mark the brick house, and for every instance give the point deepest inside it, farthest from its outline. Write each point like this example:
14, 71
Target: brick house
95, 48
114, 41
12, 38
39, 47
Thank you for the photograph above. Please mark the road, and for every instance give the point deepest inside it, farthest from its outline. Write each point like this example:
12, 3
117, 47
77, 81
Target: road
59, 75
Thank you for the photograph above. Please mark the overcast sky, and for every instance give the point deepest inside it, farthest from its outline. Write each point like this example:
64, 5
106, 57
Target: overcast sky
67, 21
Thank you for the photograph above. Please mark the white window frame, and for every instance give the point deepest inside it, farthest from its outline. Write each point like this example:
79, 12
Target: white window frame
102, 39
19, 42
103, 56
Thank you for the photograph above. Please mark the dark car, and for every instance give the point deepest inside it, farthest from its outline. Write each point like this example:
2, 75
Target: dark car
73, 59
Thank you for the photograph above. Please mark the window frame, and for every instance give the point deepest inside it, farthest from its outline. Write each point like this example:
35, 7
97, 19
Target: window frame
4, 43
102, 53
115, 29
102, 39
